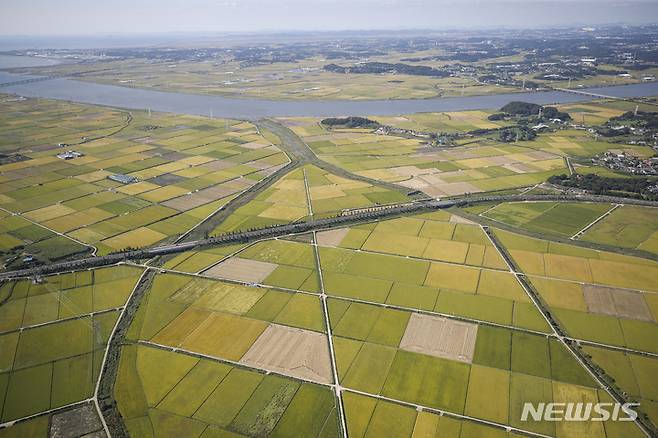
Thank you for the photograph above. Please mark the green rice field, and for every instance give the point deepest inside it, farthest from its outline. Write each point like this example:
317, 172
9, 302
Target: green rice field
53, 336
570, 279
307, 193
184, 168
410, 326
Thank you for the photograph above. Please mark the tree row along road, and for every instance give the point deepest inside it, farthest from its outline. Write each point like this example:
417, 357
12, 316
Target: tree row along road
596, 372
299, 154
366, 215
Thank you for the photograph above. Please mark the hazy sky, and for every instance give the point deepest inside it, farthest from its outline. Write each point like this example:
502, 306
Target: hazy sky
86, 17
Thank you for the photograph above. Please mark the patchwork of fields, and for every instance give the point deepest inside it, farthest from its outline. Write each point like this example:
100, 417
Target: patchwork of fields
184, 169
480, 165
476, 164
302, 79
408, 327
625, 226
597, 296
307, 192
214, 354
53, 336
204, 397
429, 262
422, 312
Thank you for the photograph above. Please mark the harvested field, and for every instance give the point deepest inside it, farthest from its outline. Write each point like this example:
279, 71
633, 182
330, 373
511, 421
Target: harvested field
440, 337
296, 352
207, 195
454, 219
189, 163
288, 199
238, 269
332, 237
456, 188
616, 302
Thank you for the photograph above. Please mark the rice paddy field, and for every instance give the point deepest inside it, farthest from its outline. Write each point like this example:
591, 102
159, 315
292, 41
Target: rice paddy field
581, 145
304, 193
552, 218
633, 373
80, 419
622, 226
627, 227
231, 324
306, 79
408, 327
426, 263
434, 262
460, 121
184, 169
382, 351
593, 113
478, 165
428, 320
392, 287
598, 296
204, 397
423, 317
53, 336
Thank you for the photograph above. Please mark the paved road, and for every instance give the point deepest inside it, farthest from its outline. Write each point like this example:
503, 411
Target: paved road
299, 154
302, 152
302, 227
404, 308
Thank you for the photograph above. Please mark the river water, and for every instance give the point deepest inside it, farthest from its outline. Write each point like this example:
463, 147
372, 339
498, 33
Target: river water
10, 61
247, 108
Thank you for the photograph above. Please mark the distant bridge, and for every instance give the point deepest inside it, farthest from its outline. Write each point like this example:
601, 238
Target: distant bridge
49, 78
603, 96
587, 93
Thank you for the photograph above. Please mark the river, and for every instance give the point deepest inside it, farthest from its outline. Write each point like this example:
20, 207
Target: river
11, 61
247, 108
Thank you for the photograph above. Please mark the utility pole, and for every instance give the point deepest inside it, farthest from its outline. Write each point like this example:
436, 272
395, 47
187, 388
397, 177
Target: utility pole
637, 107
523, 87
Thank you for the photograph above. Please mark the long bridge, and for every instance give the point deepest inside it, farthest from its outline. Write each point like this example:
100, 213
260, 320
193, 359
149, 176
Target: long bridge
584, 92
365, 215
34, 79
